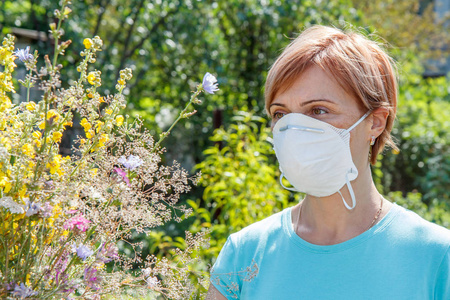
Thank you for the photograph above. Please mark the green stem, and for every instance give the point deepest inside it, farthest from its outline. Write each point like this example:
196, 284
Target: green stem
180, 116
44, 136
29, 85
58, 28
27, 258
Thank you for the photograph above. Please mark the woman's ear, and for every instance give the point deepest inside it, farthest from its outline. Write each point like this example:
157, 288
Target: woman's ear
379, 118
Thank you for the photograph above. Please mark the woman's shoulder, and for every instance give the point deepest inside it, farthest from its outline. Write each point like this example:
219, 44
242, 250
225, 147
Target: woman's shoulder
262, 230
414, 227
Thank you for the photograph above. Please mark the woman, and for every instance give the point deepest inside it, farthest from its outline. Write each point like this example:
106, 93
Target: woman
332, 97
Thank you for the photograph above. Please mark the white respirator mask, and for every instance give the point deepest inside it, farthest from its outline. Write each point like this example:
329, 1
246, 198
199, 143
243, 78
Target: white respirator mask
315, 156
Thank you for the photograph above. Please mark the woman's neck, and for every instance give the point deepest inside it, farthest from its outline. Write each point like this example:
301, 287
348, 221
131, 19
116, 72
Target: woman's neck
326, 221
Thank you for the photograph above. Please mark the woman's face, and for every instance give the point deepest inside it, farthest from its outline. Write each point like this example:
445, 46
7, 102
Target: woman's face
317, 95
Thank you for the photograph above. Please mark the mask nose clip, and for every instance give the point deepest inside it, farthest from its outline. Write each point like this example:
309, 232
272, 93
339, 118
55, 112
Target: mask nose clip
302, 128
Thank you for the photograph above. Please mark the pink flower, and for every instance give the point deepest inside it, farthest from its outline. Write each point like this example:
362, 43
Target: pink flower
79, 222
92, 279
123, 175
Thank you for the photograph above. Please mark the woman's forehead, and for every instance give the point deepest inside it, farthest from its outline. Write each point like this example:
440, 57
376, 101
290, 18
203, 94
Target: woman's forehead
313, 84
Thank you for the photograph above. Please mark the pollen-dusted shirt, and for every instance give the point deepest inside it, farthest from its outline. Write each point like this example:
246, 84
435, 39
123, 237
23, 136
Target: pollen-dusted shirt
401, 257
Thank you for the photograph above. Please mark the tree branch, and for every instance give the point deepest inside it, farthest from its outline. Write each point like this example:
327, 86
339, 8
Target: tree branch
100, 16
128, 54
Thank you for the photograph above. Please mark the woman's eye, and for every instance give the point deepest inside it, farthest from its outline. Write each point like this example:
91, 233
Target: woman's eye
318, 111
278, 115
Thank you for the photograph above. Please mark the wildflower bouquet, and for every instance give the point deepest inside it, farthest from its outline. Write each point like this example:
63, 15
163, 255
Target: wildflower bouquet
62, 217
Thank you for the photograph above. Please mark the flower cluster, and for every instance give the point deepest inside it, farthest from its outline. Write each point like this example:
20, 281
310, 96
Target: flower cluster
63, 217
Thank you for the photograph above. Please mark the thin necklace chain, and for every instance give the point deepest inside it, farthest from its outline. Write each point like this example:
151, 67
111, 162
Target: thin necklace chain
377, 215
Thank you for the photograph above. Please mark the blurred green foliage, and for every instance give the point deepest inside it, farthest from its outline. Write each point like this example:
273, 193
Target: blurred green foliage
170, 44
240, 180
422, 131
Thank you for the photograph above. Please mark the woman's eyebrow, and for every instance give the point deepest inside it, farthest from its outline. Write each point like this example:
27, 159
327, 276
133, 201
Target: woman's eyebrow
276, 104
316, 100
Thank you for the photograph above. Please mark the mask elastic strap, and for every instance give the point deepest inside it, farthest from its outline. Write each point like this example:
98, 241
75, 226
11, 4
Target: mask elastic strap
352, 194
359, 121
281, 182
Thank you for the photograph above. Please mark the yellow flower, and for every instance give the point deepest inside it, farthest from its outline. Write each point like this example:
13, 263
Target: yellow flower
87, 43
67, 124
31, 164
37, 134
119, 120
82, 141
31, 106
94, 79
98, 126
41, 125
55, 165
53, 114
5, 183
67, 11
91, 78
108, 111
56, 211
28, 150
101, 100
85, 124
3, 124
103, 139
395, 151
90, 134
57, 136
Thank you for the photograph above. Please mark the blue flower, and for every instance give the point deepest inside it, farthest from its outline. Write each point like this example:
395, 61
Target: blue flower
24, 54
22, 291
83, 251
210, 84
132, 162
32, 208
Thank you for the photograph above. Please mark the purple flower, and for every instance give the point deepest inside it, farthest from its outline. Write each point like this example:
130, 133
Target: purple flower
32, 208
210, 84
123, 175
59, 274
107, 253
49, 184
24, 54
91, 278
132, 162
22, 291
83, 251
79, 222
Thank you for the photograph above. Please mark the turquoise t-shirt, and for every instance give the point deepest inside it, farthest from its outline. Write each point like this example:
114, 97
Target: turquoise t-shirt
401, 257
